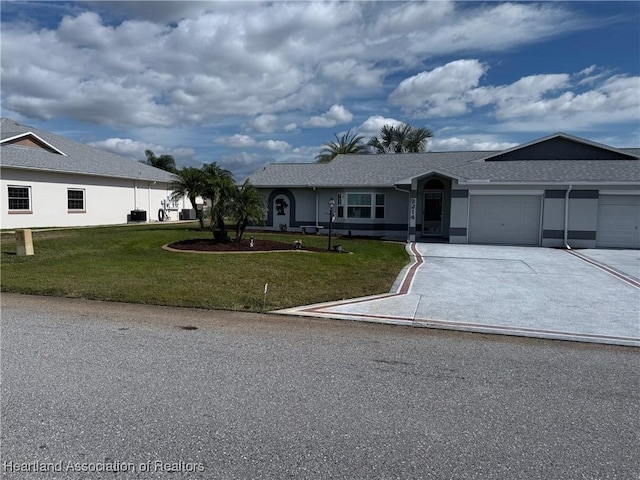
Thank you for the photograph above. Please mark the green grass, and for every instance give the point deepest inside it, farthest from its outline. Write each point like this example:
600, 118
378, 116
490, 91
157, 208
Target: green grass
128, 264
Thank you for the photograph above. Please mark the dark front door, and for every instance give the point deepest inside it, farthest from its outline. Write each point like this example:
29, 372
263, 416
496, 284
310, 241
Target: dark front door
432, 212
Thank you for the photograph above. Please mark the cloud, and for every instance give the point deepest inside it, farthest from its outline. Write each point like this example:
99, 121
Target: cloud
552, 101
188, 63
468, 144
265, 123
372, 125
245, 141
441, 91
335, 115
134, 150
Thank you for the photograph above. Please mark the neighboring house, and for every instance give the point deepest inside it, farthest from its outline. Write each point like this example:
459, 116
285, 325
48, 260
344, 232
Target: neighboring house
556, 191
51, 181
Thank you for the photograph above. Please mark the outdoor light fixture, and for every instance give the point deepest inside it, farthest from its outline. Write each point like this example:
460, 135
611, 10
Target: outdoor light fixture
332, 204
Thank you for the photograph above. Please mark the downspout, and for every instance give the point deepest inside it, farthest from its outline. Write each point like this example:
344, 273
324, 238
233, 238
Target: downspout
317, 205
408, 219
149, 201
566, 218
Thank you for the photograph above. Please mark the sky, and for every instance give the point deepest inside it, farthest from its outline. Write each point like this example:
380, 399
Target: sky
246, 83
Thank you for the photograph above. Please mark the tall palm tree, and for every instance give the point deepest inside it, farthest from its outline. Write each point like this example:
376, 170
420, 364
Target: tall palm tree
401, 139
191, 183
248, 205
163, 162
347, 143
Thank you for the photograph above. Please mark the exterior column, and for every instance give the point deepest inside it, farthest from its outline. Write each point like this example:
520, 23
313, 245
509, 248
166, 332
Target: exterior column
413, 209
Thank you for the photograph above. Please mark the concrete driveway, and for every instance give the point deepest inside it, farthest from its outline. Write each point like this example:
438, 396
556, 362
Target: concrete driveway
525, 291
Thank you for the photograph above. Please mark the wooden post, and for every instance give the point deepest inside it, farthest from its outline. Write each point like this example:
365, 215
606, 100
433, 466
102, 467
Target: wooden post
24, 242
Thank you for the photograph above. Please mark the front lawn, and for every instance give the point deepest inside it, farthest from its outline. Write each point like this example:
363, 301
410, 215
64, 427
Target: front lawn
128, 264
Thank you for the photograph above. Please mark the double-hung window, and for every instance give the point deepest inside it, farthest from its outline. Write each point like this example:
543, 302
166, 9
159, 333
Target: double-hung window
19, 199
75, 200
362, 205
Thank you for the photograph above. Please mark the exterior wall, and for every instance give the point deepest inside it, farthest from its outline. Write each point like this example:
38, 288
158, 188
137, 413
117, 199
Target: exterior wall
458, 231
309, 207
108, 201
582, 213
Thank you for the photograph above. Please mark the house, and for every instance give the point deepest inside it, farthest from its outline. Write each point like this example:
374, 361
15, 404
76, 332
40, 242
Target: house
555, 191
51, 181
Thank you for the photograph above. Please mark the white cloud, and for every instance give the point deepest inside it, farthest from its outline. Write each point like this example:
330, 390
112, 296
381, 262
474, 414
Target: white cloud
290, 127
134, 149
193, 62
335, 115
441, 91
468, 144
276, 145
245, 141
265, 123
372, 125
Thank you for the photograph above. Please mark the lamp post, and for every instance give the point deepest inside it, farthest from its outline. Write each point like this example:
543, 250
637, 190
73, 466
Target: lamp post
331, 205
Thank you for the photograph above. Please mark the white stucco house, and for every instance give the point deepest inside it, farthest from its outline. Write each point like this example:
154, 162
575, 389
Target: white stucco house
555, 191
51, 181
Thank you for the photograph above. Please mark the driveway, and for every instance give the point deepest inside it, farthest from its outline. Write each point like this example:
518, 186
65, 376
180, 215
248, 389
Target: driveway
525, 291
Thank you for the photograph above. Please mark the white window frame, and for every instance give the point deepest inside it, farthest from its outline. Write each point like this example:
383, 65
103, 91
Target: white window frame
84, 200
372, 205
28, 198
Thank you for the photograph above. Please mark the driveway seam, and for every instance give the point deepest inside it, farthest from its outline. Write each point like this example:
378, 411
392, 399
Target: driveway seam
605, 268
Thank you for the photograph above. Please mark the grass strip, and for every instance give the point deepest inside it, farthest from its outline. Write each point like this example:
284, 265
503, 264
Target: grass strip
128, 264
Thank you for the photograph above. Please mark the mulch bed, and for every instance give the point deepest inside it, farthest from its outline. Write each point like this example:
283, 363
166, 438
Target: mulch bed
210, 245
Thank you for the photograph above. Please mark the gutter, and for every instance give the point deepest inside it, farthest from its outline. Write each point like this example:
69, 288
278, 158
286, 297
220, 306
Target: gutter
566, 218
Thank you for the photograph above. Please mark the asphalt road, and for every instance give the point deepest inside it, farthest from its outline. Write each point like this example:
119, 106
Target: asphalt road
92, 386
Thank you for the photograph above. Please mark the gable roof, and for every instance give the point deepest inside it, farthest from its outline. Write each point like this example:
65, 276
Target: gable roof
68, 156
560, 146
616, 166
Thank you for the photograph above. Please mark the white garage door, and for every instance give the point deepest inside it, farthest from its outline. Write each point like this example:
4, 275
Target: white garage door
505, 219
618, 221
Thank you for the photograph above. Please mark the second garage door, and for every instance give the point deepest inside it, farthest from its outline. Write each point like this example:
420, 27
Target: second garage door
618, 221
505, 219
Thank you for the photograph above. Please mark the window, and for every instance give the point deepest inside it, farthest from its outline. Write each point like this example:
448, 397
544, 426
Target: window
379, 205
75, 200
19, 199
365, 205
340, 204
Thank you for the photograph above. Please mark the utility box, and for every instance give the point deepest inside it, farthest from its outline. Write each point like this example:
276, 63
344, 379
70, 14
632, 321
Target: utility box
138, 215
24, 242
188, 214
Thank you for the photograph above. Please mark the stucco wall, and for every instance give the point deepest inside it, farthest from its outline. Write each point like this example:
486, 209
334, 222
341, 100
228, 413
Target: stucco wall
107, 200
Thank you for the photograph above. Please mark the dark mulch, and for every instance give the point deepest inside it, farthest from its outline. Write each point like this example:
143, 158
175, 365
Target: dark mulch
210, 245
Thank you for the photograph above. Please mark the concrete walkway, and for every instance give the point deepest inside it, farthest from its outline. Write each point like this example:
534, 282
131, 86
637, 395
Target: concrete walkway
524, 291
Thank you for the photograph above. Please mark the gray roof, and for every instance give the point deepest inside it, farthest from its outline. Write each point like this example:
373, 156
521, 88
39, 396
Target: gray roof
79, 158
388, 170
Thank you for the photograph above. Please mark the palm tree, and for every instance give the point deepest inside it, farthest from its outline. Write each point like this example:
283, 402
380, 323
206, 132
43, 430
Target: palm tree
220, 189
347, 143
191, 183
401, 139
163, 162
248, 205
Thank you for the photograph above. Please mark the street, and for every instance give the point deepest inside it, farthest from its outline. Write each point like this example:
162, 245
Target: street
106, 390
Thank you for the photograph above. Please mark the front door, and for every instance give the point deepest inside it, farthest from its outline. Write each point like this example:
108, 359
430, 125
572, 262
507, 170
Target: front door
432, 214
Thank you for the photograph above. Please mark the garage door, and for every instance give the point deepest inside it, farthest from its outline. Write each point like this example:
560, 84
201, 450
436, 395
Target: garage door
505, 219
618, 221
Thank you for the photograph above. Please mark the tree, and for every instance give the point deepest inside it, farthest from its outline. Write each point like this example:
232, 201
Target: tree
220, 189
163, 162
347, 143
191, 183
248, 205
401, 139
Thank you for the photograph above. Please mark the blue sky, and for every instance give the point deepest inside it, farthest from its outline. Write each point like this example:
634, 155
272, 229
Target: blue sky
249, 83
